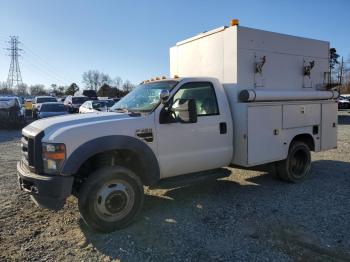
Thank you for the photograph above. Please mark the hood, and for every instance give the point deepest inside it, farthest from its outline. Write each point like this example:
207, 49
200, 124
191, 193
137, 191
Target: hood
74, 130
65, 121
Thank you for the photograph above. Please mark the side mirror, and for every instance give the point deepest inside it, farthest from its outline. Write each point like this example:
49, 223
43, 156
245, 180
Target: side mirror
186, 110
164, 96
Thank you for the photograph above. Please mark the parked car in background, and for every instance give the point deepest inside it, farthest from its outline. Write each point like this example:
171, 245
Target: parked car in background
28, 105
116, 99
109, 103
12, 113
72, 103
93, 106
344, 102
91, 94
51, 109
38, 101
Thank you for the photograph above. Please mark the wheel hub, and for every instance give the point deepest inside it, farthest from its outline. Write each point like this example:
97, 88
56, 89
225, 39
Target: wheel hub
116, 202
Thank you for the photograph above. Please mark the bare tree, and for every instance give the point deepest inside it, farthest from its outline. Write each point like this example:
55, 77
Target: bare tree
61, 90
94, 79
118, 83
37, 90
127, 86
4, 90
21, 90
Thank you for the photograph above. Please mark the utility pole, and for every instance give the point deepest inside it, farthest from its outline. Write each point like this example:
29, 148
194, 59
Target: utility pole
14, 77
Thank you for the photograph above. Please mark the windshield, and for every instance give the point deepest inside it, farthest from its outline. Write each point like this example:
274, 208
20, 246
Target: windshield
45, 99
109, 103
7, 102
79, 100
98, 104
144, 97
52, 108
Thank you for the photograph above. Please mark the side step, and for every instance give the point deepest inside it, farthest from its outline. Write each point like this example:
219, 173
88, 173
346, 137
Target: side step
192, 178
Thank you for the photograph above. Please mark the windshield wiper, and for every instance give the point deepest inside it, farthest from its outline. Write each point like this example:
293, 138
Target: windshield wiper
127, 111
123, 110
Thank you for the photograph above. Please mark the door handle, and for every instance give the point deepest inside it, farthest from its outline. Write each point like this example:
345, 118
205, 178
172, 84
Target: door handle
223, 128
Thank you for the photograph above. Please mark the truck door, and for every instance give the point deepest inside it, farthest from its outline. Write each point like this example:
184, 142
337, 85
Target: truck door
190, 147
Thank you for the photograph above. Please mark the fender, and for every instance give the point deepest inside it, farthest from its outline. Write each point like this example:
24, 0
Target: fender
149, 162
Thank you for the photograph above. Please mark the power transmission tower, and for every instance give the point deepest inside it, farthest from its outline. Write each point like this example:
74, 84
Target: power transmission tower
14, 77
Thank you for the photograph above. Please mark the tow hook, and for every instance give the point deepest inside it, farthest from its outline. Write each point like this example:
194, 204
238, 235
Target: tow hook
27, 186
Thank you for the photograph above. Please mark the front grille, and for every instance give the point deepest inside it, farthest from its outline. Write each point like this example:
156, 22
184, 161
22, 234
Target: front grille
28, 151
31, 149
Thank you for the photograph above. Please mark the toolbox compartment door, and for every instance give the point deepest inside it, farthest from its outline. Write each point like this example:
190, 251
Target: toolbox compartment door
301, 115
264, 134
329, 126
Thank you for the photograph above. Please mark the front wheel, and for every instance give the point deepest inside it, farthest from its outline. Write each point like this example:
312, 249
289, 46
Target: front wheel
297, 164
110, 198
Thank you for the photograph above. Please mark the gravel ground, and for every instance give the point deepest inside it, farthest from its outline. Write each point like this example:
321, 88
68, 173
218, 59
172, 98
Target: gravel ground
247, 216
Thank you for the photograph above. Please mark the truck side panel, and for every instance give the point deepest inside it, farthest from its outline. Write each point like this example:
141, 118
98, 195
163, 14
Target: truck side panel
263, 131
329, 126
213, 54
285, 58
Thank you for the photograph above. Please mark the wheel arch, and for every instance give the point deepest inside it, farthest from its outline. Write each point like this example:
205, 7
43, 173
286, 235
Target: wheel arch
141, 152
305, 137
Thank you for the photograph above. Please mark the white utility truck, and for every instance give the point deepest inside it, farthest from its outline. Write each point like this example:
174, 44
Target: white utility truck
239, 96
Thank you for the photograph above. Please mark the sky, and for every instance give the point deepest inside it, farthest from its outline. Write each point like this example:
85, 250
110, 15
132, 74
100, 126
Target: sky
61, 39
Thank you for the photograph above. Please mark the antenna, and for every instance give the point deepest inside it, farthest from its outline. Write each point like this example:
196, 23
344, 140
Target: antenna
14, 77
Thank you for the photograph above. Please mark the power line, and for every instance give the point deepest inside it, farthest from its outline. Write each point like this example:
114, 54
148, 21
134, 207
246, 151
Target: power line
48, 67
47, 75
44, 69
30, 67
32, 61
14, 75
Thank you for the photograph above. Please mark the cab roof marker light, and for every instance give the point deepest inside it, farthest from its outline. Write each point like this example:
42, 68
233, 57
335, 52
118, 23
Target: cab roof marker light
163, 77
234, 22
176, 76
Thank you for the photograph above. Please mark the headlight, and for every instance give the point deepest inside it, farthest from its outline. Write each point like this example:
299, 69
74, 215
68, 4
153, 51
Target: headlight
53, 157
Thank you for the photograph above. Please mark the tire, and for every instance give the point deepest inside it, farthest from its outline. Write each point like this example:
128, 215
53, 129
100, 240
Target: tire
110, 198
296, 166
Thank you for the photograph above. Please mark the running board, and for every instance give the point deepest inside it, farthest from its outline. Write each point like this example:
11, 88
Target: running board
192, 178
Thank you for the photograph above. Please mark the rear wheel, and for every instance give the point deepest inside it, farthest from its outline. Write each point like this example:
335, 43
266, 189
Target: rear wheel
297, 164
110, 198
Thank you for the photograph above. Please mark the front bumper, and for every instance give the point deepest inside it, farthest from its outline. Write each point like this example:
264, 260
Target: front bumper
47, 191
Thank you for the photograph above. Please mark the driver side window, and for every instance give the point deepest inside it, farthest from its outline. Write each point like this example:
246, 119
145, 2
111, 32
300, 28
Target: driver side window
204, 95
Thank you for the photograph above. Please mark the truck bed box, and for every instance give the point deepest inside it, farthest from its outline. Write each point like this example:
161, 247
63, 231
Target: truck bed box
275, 84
